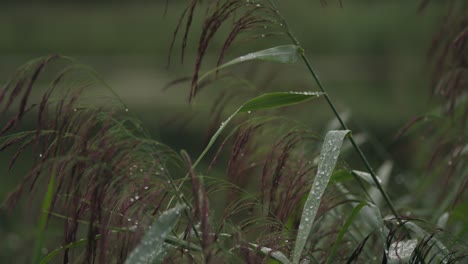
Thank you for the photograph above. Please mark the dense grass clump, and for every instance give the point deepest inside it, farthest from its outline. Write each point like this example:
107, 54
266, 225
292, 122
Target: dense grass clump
265, 189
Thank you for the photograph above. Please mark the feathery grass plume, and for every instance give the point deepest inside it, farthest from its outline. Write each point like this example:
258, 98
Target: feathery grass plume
287, 175
105, 167
202, 211
448, 50
441, 150
240, 16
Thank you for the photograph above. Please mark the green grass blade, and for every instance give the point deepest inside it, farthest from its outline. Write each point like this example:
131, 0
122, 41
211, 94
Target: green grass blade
43, 219
328, 157
365, 176
79, 243
150, 249
275, 100
265, 101
281, 54
343, 230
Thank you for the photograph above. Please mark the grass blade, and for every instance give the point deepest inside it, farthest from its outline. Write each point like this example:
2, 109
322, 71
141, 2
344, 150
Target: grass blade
150, 249
265, 101
343, 230
281, 54
79, 243
43, 218
328, 157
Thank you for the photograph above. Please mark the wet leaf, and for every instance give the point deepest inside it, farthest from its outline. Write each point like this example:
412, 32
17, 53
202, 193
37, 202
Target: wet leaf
151, 248
281, 54
327, 161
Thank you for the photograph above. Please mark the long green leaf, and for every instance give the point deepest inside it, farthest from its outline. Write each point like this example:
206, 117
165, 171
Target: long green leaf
328, 157
343, 230
46, 203
282, 54
151, 247
79, 243
265, 101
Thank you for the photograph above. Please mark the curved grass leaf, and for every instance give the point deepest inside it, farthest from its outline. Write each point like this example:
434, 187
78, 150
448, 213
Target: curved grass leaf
79, 243
366, 177
328, 157
343, 230
264, 101
151, 247
46, 203
281, 54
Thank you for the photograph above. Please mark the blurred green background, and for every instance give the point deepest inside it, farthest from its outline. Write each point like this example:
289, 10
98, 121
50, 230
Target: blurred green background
370, 55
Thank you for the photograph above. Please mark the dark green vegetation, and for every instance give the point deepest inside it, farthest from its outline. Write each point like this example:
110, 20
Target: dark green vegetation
274, 169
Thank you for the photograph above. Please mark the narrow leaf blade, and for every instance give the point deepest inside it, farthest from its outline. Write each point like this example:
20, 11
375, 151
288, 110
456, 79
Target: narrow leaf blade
281, 54
343, 230
264, 101
327, 161
276, 100
150, 249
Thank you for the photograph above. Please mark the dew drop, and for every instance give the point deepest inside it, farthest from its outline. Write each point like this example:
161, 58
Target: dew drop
263, 35
146, 187
248, 112
259, 5
74, 110
126, 109
40, 155
137, 197
129, 219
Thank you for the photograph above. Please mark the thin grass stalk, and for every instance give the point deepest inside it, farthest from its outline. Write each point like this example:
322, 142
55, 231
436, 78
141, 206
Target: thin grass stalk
43, 219
340, 120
